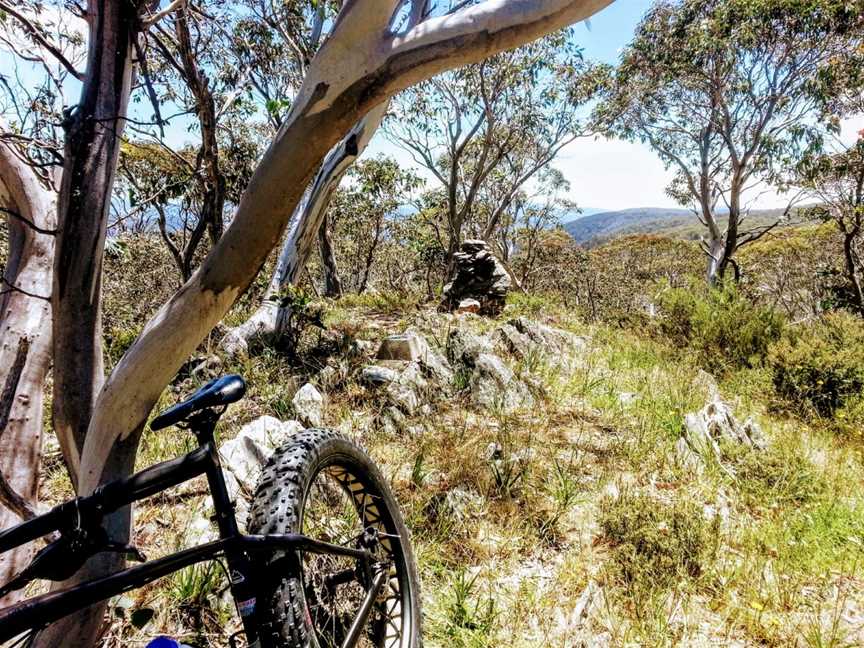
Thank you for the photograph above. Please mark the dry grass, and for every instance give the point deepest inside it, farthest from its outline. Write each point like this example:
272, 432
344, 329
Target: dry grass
511, 548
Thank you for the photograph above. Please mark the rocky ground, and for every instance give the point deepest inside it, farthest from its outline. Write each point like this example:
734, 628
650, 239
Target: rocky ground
565, 486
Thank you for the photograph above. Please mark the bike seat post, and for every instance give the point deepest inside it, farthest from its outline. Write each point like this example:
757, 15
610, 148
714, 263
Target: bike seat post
203, 425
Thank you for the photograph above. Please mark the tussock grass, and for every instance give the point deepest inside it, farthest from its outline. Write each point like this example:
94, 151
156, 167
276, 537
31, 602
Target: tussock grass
654, 545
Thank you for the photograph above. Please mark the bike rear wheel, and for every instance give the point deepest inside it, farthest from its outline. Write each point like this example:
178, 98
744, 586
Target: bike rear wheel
324, 486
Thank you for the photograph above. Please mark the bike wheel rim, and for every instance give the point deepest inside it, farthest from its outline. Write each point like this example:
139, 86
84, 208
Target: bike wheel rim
394, 609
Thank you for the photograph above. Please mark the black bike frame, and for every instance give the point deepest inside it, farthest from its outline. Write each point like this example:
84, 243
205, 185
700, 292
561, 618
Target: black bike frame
237, 549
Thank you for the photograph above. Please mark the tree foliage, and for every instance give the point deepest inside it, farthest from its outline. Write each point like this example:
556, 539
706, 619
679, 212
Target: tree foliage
836, 181
727, 93
485, 130
365, 213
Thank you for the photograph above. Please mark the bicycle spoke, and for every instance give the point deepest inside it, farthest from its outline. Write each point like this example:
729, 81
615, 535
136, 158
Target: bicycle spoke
340, 510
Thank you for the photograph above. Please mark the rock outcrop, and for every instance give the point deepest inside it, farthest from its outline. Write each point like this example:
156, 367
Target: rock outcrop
463, 346
477, 276
708, 430
245, 455
494, 385
309, 405
524, 338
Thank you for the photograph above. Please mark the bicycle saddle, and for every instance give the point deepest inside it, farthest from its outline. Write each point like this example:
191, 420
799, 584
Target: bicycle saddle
216, 393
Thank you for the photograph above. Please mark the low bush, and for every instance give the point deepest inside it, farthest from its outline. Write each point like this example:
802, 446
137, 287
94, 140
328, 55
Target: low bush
849, 419
820, 366
721, 326
776, 476
117, 341
654, 544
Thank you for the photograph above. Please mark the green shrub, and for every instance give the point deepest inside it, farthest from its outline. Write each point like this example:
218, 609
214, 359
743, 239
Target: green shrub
654, 544
529, 304
117, 342
301, 311
849, 419
721, 326
820, 365
776, 476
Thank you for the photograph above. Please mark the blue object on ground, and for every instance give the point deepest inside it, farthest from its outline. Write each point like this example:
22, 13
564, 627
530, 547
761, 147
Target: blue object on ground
163, 642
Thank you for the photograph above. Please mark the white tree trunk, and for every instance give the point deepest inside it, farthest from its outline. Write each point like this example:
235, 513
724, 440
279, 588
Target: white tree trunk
264, 324
715, 248
360, 66
25, 344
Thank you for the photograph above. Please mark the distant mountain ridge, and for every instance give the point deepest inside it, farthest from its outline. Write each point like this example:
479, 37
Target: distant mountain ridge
584, 212
594, 229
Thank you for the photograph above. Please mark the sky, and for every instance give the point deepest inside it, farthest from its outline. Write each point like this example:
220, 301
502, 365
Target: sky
612, 174
604, 174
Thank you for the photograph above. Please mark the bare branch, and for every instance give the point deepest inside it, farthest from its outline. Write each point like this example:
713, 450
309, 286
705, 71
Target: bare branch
37, 36
28, 222
148, 84
152, 19
13, 288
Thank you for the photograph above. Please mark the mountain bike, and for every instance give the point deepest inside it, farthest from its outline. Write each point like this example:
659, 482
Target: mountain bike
327, 561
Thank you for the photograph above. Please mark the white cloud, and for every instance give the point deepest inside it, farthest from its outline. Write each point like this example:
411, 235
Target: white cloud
614, 174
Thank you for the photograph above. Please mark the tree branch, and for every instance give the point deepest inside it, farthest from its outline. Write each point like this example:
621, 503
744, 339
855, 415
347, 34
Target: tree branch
152, 19
28, 222
148, 84
35, 34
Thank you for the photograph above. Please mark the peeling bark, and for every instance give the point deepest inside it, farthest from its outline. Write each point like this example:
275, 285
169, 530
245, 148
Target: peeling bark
94, 129
332, 283
25, 342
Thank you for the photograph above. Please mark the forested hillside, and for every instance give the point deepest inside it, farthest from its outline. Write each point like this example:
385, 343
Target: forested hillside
677, 223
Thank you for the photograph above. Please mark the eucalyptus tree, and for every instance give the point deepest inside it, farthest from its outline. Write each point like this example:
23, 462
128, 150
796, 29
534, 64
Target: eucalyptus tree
362, 213
40, 56
725, 93
506, 117
164, 188
272, 45
836, 181
41, 33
